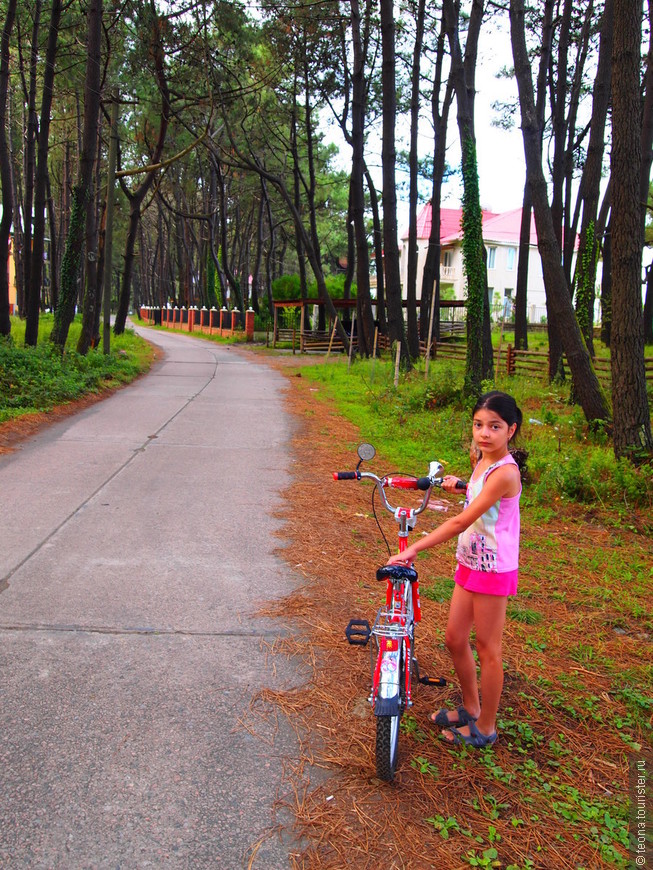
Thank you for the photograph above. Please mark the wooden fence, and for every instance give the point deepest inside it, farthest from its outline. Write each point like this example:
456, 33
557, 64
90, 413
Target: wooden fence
536, 362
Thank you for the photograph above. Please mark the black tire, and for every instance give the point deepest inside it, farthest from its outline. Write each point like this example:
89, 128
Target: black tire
387, 746
387, 734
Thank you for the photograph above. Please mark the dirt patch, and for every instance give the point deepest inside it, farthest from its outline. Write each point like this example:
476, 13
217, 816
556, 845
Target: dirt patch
560, 762
13, 432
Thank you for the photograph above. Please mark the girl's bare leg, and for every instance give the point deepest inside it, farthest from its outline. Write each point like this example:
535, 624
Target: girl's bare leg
489, 616
459, 626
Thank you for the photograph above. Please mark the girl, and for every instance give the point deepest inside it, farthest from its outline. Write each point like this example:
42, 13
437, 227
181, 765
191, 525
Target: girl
487, 555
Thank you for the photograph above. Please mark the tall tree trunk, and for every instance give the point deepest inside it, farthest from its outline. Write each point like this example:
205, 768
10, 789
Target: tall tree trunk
297, 195
258, 256
311, 188
30, 159
440, 116
574, 141
41, 185
479, 364
15, 133
411, 278
591, 182
589, 391
521, 292
83, 189
357, 196
89, 334
648, 307
606, 287
54, 249
388, 159
5, 171
224, 242
559, 103
377, 235
647, 161
632, 422
521, 289
157, 25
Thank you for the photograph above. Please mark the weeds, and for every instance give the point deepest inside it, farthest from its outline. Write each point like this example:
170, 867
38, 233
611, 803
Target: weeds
37, 379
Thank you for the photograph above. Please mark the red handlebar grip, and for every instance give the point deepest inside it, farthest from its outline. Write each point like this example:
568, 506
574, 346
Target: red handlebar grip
402, 482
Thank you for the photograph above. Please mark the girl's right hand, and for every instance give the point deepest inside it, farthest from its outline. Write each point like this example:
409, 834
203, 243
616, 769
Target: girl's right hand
449, 483
401, 558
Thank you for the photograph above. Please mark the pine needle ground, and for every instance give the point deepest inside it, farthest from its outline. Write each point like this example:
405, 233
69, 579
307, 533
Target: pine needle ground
552, 792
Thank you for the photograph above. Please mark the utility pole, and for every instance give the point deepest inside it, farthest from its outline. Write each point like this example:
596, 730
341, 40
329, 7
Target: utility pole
108, 237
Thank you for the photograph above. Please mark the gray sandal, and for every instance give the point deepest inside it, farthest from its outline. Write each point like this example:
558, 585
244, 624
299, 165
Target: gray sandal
441, 718
475, 737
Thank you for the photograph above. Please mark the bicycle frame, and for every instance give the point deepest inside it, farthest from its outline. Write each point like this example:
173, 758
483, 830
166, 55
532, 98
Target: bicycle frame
394, 626
393, 661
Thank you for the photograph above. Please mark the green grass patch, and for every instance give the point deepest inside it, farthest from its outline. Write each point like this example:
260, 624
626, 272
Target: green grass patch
421, 420
37, 379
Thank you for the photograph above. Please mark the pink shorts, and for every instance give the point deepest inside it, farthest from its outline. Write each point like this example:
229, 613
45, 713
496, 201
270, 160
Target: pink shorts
486, 582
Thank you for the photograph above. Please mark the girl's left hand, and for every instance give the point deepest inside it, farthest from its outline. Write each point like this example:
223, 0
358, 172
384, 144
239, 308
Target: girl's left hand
449, 483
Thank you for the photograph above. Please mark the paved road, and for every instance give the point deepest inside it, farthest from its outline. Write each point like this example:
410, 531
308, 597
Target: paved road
137, 539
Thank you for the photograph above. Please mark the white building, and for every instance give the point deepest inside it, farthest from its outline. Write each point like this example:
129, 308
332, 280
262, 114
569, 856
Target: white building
501, 237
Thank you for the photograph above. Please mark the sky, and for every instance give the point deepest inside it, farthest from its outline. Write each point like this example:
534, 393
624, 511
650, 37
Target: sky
500, 152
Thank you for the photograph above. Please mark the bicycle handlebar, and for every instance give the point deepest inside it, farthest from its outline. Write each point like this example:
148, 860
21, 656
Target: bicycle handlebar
424, 484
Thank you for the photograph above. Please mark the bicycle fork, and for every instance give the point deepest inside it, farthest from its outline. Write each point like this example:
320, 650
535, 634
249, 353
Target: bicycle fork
393, 629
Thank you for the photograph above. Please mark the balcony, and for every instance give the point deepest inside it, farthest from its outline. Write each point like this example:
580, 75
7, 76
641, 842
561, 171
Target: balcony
448, 273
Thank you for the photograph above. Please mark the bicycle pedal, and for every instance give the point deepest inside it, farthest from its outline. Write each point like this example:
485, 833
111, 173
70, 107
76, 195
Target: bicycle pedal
358, 632
433, 681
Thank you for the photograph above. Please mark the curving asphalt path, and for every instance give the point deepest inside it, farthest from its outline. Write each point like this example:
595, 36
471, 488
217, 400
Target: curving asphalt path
137, 539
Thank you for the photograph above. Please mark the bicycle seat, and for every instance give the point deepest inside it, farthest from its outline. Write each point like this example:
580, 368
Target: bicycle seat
396, 572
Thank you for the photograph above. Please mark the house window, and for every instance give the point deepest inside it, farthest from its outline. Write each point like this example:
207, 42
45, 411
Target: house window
510, 264
491, 257
446, 259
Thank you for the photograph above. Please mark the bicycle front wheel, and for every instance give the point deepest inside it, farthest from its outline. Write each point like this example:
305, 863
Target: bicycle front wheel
387, 746
387, 729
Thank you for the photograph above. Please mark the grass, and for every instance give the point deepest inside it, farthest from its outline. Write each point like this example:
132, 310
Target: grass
35, 380
422, 420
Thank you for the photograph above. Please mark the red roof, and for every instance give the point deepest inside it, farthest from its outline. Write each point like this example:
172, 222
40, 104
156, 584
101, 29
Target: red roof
502, 227
505, 227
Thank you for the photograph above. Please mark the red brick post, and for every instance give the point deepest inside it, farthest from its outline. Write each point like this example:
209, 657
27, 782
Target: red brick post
249, 324
234, 318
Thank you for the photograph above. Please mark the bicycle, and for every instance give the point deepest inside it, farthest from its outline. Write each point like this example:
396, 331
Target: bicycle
392, 657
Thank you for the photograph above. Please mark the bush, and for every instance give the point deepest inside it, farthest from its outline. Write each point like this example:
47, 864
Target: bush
288, 287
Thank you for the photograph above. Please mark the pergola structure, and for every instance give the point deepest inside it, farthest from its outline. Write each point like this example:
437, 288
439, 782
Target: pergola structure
303, 304
315, 339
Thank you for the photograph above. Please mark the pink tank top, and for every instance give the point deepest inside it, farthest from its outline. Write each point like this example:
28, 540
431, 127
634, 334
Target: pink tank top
491, 543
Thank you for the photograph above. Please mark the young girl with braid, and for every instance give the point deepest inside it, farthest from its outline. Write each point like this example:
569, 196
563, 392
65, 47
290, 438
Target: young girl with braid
487, 556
